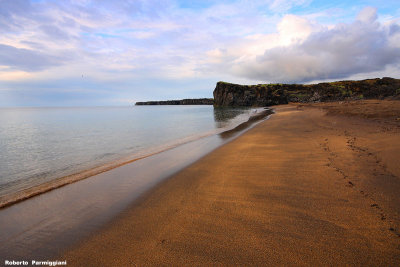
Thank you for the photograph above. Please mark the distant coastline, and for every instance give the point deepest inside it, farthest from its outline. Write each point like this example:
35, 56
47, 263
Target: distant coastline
264, 95
196, 101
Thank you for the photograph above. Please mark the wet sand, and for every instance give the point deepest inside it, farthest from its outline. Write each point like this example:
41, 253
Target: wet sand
44, 225
303, 188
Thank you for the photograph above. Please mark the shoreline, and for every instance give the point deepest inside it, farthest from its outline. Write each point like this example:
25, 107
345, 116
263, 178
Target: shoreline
303, 188
24, 194
51, 222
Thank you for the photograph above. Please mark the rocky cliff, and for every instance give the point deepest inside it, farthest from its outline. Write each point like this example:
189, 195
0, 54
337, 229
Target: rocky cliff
198, 101
228, 94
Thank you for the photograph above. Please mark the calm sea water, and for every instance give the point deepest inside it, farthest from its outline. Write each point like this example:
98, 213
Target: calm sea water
41, 144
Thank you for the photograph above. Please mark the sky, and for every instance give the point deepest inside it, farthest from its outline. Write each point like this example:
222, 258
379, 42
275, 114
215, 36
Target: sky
113, 53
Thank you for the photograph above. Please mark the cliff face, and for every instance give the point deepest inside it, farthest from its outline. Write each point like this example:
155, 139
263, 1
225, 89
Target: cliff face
227, 94
199, 101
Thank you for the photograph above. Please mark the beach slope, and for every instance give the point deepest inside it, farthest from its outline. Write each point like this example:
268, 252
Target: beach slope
302, 188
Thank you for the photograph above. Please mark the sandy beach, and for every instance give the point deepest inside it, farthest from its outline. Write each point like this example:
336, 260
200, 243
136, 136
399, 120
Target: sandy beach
316, 184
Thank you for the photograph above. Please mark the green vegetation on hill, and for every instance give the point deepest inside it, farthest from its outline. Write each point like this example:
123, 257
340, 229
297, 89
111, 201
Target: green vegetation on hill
228, 94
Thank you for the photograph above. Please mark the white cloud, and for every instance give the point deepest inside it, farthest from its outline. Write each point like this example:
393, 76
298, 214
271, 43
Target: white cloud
305, 51
367, 15
295, 29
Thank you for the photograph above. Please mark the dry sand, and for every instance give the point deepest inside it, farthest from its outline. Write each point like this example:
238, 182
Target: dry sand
303, 188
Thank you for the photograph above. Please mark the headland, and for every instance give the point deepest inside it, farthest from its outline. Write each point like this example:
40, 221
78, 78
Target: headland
229, 94
195, 101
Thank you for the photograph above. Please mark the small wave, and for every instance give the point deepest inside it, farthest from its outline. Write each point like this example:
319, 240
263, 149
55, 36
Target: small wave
105, 155
256, 116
